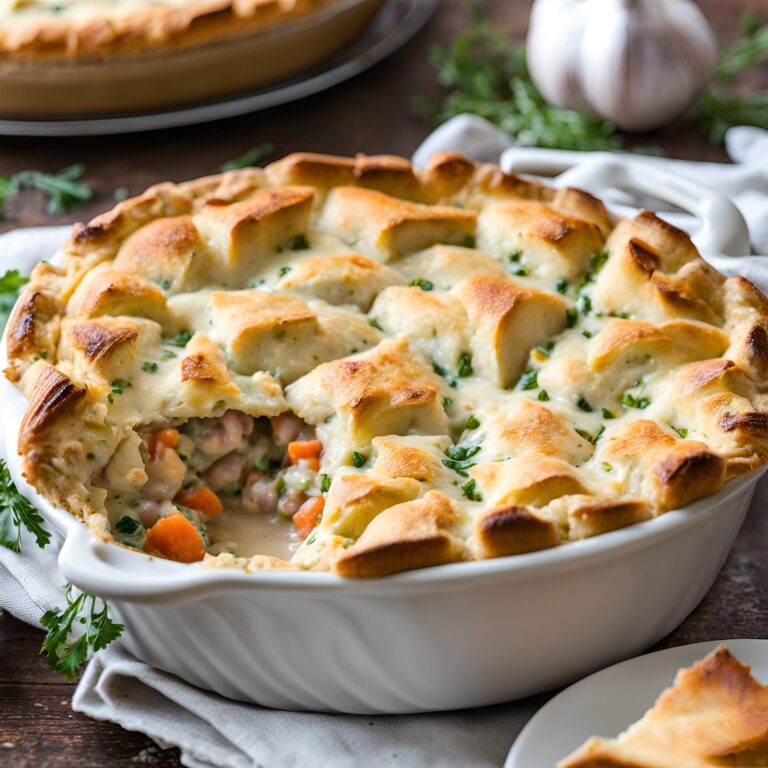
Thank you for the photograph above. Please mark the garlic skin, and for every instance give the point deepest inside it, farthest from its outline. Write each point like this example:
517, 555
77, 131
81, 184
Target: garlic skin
639, 63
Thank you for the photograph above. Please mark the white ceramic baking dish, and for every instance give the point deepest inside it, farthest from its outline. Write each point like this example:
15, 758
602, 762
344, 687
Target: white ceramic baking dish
452, 636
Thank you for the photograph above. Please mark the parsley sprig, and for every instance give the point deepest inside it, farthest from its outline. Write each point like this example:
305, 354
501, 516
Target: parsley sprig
16, 512
65, 654
10, 283
63, 189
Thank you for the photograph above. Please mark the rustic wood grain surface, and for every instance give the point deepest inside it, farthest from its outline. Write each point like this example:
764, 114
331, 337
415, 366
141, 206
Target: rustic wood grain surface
371, 113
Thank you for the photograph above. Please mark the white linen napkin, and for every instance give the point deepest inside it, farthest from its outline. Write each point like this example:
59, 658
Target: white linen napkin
213, 732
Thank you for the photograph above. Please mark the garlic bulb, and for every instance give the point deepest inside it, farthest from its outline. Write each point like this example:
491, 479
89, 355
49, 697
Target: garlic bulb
639, 63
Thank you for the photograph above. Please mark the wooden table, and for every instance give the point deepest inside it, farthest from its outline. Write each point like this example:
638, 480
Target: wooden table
371, 114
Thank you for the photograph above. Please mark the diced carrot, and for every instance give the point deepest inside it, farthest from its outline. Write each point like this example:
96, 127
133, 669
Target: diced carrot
164, 438
309, 515
313, 463
176, 538
303, 449
202, 499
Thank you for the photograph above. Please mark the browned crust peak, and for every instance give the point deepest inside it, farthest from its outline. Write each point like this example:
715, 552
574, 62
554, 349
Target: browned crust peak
54, 395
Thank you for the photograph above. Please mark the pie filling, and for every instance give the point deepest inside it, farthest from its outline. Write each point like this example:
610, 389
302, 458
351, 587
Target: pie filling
232, 483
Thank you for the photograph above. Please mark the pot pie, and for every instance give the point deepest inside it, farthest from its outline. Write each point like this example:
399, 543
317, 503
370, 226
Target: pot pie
715, 714
349, 364
102, 57
77, 29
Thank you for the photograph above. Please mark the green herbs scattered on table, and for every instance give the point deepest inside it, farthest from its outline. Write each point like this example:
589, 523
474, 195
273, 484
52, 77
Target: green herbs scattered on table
251, 157
87, 613
64, 189
485, 74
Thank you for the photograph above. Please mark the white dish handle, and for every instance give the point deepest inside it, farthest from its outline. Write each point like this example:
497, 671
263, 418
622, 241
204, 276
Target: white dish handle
723, 231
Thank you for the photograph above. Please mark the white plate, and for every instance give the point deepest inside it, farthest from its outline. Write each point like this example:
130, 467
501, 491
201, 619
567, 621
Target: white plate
396, 23
605, 703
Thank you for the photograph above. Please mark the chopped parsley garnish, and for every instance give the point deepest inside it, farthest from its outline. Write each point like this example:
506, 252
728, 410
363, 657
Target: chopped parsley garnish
181, 340
16, 511
251, 157
90, 456
165, 283
606, 466
44, 354
440, 371
325, 483
168, 354
528, 380
561, 286
608, 414
597, 261
65, 655
265, 463
469, 241
571, 317
358, 459
591, 438
465, 365
312, 538
469, 489
447, 401
460, 458
583, 304
587, 334
582, 403
425, 285
546, 349
543, 396
128, 525
472, 422
630, 401
110, 399
515, 256
149, 367
298, 243
374, 323
283, 271
682, 431
119, 386
522, 271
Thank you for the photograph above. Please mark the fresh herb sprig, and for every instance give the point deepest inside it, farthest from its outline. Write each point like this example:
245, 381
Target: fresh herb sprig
63, 189
66, 655
486, 75
251, 157
16, 512
10, 283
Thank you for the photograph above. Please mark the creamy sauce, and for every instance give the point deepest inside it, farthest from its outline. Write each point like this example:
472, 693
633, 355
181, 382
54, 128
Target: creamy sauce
252, 533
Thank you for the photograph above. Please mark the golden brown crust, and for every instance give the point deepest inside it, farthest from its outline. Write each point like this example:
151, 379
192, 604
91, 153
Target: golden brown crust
104, 31
715, 714
415, 534
418, 337
512, 530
